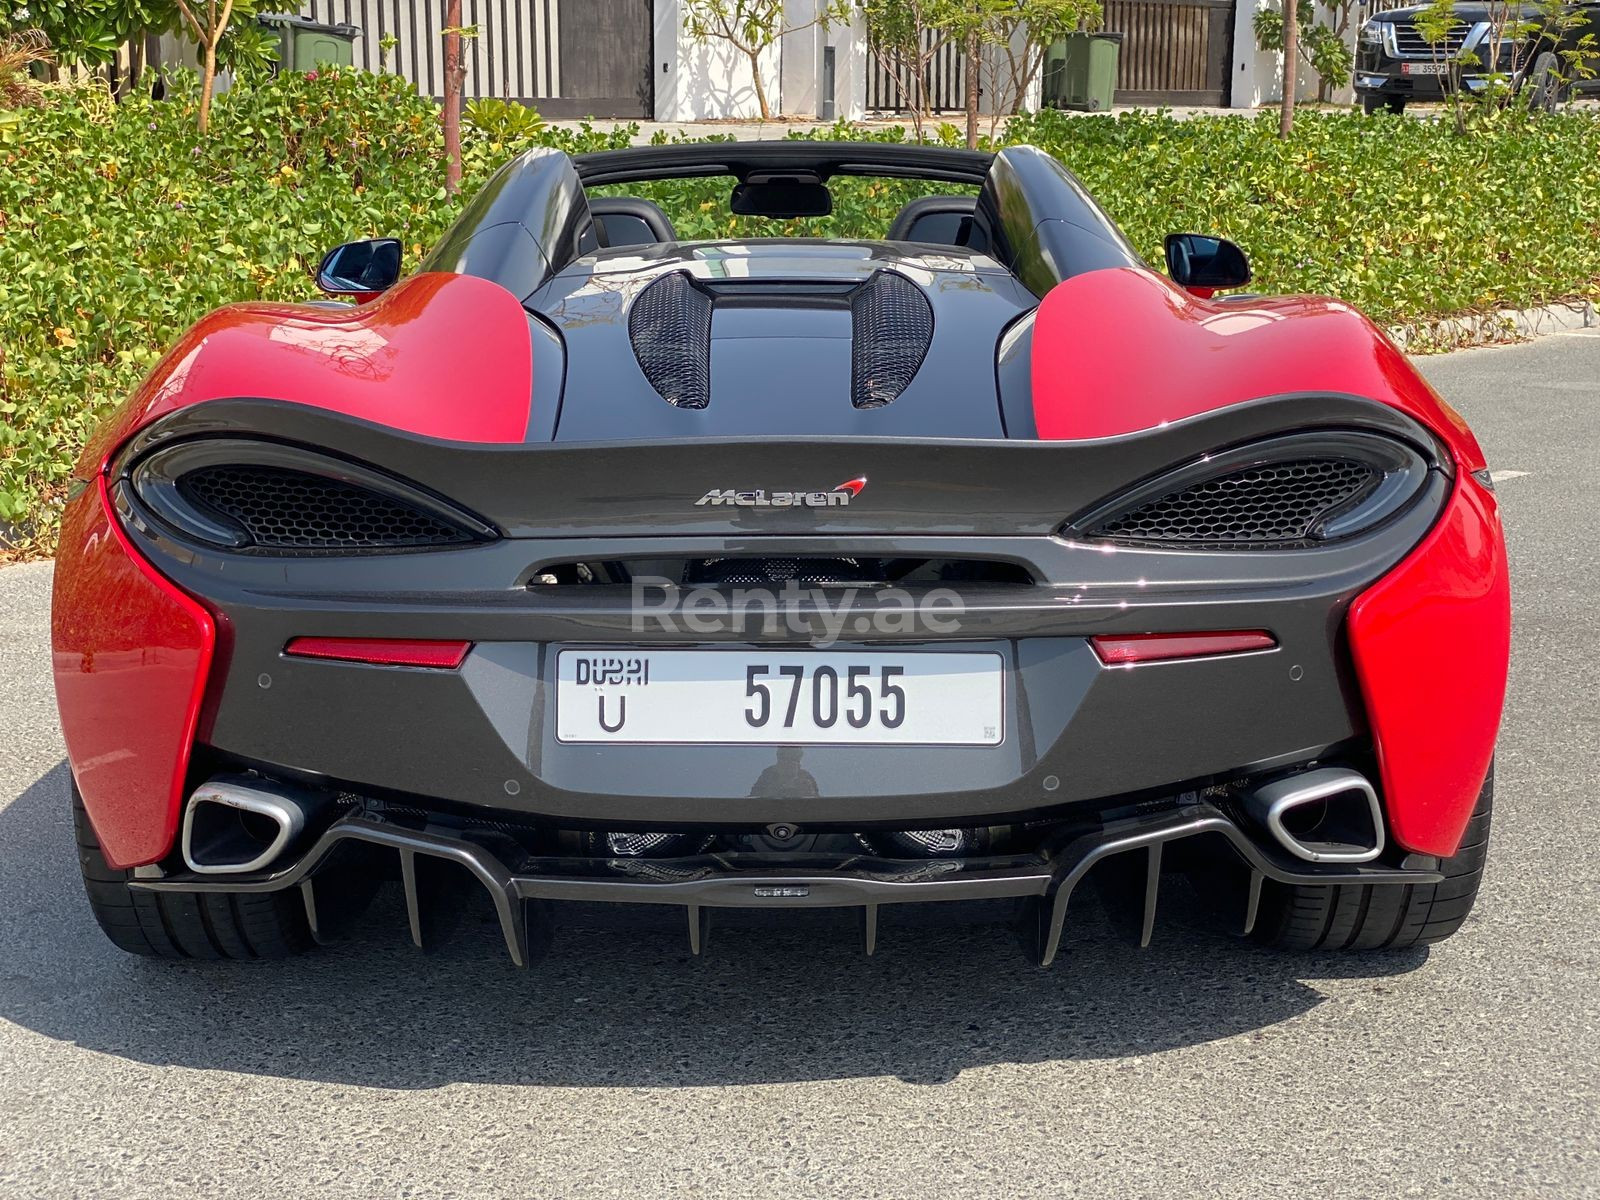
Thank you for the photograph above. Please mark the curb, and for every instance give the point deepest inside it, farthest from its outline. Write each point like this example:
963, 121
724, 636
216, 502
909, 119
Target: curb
1493, 329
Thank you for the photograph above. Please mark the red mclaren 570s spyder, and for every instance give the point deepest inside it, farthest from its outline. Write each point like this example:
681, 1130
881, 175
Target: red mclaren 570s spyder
592, 566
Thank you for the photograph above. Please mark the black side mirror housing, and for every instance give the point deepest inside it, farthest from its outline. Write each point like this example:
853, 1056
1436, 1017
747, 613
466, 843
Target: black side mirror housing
1207, 264
363, 269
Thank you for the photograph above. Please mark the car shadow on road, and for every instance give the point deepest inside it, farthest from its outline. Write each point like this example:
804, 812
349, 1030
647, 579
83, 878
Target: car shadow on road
769, 1003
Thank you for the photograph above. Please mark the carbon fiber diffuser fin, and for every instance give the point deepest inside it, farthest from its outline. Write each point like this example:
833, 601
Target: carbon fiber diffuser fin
670, 328
892, 328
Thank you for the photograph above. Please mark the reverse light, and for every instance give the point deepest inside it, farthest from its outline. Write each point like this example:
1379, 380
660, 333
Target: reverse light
382, 652
1125, 649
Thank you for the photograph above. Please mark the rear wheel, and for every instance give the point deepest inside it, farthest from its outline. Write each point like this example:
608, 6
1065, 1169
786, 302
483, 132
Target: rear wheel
1546, 88
1381, 916
203, 925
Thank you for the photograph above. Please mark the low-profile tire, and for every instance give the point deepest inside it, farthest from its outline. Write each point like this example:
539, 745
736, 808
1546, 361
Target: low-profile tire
1381, 916
201, 925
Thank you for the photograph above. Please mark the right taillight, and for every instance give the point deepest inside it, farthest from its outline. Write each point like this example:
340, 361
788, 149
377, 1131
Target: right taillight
1287, 493
1125, 649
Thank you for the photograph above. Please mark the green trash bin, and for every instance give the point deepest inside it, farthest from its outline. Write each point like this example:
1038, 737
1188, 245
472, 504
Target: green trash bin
1080, 71
303, 43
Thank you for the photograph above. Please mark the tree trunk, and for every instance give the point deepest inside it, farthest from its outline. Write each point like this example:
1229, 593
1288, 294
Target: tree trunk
208, 78
135, 63
454, 76
760, 85
1291, 56
974, 64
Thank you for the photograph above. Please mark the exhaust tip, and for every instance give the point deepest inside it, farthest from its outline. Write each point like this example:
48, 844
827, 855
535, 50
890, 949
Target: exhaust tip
233, 826
1328, 815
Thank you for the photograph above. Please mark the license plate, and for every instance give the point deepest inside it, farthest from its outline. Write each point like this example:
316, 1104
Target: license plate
1424, 68
794, 697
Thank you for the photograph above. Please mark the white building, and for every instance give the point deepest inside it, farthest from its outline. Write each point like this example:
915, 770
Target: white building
633, 59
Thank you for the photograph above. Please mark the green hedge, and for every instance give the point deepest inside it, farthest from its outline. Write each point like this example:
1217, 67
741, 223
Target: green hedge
119, 226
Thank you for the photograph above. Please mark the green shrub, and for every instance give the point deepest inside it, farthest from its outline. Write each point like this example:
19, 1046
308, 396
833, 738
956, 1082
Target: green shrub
119, 226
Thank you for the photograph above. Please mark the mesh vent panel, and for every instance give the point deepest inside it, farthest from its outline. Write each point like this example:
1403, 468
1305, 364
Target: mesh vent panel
775, 572
1276, 504
670, 328
290, 510
892, 326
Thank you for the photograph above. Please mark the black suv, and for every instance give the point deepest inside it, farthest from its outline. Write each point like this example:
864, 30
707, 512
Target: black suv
1395, 64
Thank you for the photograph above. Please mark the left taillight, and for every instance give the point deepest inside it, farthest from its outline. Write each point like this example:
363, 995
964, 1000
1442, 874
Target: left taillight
382, 652
265, 498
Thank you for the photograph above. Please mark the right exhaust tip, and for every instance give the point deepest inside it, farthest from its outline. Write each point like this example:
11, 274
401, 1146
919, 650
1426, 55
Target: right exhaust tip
1326, 815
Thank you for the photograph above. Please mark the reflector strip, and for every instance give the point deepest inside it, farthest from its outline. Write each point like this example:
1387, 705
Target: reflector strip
383, 652
1128, 648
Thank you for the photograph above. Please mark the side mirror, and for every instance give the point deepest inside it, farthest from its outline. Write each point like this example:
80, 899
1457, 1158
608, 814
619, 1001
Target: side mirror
362, 269
1205, 264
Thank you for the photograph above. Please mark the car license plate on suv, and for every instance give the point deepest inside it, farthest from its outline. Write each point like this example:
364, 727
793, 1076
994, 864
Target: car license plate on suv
790, 697
1424, 68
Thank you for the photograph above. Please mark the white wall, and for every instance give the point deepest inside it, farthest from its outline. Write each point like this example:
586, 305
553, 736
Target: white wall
708, 81
850, 66
1258, 74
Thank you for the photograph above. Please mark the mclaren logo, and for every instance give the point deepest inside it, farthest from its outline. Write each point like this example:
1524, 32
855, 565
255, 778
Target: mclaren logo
841, 495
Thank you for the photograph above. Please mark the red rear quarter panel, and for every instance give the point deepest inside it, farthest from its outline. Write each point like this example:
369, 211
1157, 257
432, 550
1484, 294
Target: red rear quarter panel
444, 356
1122, 350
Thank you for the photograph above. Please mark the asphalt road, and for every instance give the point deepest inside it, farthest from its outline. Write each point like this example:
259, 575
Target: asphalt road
785, 1064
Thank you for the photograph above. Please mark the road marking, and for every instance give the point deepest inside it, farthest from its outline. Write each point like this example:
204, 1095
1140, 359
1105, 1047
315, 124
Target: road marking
1502, 476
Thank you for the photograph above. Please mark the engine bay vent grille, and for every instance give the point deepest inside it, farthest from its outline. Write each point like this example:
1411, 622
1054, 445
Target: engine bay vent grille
778, 571
283, 509
1271, 505
891, 328
670, 328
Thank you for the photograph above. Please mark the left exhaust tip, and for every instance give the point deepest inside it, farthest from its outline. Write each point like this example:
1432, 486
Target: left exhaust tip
235, 825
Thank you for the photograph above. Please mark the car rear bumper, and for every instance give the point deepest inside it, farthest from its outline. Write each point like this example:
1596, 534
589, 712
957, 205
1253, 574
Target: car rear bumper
1075, 728
526, 890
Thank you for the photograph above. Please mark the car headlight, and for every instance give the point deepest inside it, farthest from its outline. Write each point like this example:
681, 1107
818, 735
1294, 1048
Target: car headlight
1372, 34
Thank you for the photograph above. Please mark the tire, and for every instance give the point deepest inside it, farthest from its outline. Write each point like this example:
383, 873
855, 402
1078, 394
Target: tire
1545, 87
1381, 916
1371, 104
193, 925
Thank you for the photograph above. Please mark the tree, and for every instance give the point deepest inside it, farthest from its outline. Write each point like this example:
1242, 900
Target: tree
455, 76
208, 24
1036, 23
751, 27
974, 24
1322, 45
1291, 53
904, 36
89, 34
992, 27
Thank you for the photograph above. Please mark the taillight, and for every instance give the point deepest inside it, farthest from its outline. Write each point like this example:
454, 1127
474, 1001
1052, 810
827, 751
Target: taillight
1125, 649
382, 652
